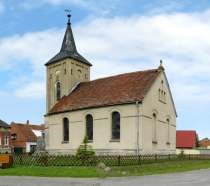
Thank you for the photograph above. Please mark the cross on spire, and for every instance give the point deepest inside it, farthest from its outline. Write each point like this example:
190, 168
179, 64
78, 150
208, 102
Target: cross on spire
69, 15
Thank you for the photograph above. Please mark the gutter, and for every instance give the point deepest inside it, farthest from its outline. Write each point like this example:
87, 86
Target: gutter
137, 128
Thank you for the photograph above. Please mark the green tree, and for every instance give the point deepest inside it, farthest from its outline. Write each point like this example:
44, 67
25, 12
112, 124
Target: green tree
84, 149
197, 143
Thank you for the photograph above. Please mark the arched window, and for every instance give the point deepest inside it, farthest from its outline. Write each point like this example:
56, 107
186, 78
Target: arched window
164, 97
65, 129
116, 126
159, 94
167, 131
58, 91
154, 127
89, 127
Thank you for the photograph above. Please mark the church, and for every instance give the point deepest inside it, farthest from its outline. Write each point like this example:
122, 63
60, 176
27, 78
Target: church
126, 114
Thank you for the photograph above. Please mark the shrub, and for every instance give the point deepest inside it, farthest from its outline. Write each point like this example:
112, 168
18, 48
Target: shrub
182, 154
84, 149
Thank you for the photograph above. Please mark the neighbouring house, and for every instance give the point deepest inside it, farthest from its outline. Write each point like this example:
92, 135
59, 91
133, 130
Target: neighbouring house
5, 137
205, 142
131, 113
186, 139
24, 136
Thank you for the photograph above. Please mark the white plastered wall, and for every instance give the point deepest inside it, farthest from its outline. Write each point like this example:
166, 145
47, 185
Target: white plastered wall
164, 110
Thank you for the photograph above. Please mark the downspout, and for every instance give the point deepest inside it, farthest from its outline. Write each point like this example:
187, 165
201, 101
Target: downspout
137, 128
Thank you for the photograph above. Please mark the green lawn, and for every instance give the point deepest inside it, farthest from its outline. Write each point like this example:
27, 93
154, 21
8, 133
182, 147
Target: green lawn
117, 171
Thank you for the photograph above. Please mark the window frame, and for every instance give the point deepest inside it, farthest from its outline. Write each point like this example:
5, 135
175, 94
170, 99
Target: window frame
115, 135
65, 130
58, 91
89, 127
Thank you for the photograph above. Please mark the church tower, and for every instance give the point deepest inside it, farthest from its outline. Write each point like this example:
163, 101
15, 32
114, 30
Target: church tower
65, 70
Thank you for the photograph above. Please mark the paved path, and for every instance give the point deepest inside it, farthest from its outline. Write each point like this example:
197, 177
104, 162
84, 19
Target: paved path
192, 178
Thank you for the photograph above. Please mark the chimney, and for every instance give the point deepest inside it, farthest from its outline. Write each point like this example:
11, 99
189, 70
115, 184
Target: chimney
27, 122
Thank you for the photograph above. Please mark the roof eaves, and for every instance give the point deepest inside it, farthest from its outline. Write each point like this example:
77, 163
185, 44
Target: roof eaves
106, 105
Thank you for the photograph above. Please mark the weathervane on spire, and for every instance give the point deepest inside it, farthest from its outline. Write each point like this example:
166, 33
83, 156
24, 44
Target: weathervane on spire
69, 15
161, 68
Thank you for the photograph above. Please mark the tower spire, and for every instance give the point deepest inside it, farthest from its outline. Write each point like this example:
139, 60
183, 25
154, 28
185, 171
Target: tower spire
68, 47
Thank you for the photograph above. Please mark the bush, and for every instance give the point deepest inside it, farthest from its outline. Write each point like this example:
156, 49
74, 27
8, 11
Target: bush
182, 154
84, 149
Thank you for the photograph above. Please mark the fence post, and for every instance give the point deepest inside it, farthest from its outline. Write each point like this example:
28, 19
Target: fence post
169, 157
119, 160
189, 156
45, 160
21, 161
83, 160
139, 160
155, 158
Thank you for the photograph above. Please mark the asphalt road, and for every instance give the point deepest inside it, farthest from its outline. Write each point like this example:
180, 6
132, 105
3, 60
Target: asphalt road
191, 178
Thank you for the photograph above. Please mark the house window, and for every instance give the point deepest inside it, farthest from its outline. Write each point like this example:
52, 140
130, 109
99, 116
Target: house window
58, 91
6, 142
116, 126
89, 127
64, 71
14, 136
65, 129
154, 123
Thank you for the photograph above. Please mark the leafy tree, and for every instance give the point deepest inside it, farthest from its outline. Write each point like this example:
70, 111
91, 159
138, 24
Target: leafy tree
84, 149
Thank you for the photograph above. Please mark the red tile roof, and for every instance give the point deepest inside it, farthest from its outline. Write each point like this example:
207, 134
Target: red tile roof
185, 139
27, 130
119, 89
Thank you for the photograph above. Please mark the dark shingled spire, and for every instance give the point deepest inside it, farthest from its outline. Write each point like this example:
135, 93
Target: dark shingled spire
68, 47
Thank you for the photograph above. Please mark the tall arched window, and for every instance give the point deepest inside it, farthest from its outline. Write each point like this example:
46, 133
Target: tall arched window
65, 129
154, 127
116, 126
58, 91
167, 131
89, 127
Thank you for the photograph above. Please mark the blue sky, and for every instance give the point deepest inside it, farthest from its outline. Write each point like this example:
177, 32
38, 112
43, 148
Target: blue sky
125, 35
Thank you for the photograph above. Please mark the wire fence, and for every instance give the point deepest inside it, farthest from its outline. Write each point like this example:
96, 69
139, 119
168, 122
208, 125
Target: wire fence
72, 160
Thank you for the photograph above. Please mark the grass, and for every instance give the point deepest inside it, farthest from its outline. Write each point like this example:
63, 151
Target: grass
116, 171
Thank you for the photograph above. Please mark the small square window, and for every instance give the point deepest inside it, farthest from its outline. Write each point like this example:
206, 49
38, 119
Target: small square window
14, 136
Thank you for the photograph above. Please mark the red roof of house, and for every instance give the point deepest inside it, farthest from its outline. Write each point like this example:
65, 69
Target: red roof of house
185, 139
119, 89
27, 130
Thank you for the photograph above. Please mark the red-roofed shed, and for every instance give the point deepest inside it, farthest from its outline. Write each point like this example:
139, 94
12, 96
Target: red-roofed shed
185, 139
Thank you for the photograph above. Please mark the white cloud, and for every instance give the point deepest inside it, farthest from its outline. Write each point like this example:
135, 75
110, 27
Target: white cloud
31, 90
35, 48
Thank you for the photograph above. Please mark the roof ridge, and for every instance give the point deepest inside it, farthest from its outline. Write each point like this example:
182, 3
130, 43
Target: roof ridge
119, 75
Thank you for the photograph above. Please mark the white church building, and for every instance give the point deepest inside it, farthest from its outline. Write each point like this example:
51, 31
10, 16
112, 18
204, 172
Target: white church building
131, 113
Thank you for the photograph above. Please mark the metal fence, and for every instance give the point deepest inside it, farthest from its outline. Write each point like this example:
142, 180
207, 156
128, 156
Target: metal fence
71, 160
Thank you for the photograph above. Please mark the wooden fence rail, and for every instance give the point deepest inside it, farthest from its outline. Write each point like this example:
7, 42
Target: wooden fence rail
71, 160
